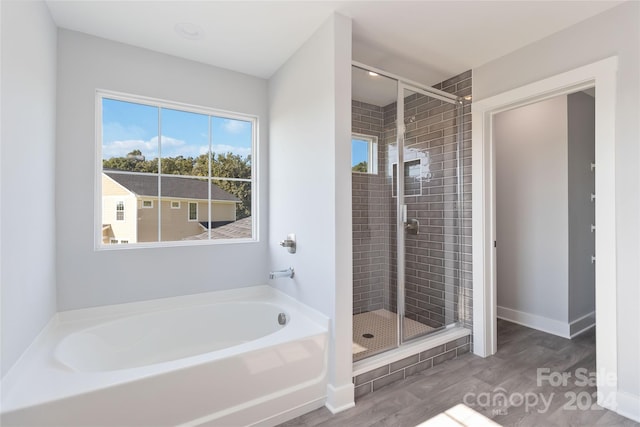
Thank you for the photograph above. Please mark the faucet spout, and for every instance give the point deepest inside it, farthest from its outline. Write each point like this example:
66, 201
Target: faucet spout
289, 272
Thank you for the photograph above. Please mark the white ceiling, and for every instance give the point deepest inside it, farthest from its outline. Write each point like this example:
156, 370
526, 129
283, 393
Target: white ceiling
425, 41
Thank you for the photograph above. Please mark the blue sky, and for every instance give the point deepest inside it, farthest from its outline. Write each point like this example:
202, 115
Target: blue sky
127, 126
359, 151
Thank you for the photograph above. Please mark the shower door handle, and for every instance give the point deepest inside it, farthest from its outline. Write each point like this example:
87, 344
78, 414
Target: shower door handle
412, 226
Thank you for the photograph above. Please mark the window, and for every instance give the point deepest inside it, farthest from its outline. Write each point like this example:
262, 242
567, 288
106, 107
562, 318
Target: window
164, 153
364, 153
120, 211
193, 211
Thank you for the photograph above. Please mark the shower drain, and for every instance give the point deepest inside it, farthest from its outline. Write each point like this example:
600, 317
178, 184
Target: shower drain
367, 335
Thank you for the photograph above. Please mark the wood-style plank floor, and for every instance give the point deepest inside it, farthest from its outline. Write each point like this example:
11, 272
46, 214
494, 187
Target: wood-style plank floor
506, 387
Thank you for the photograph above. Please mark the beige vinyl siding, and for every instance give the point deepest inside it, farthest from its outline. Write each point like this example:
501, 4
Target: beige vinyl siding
112, 193
175, 222
222, 211
122, 230
112, 188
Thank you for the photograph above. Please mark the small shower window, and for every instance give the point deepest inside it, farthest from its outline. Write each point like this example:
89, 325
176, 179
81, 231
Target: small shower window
364, 153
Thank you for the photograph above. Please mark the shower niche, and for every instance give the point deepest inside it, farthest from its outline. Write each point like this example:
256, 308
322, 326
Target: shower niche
411, 223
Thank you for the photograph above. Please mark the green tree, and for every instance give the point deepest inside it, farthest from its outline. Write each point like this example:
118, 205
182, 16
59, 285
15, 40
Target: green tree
231, 165
361, 167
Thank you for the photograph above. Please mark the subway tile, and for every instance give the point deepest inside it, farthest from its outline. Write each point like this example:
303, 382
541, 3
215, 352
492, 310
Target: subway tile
463, 349
363, 389
403, 363
428, 354
444, 357
457, 343
372, 375
381, 382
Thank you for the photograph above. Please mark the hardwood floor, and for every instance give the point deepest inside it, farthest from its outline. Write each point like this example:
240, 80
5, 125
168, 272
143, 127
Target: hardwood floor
506, 387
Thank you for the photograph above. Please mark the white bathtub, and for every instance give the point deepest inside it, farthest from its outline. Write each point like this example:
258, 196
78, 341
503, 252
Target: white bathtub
211, 359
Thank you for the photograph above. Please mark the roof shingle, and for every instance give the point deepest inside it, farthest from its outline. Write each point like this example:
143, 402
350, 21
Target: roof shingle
172, 186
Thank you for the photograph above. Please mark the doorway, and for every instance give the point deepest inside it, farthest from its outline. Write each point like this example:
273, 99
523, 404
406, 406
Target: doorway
602, 76
545, 214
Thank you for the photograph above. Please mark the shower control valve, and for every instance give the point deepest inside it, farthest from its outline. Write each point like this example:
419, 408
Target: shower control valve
289, 243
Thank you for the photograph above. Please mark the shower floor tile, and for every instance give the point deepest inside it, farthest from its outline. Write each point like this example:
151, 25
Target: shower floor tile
375, 331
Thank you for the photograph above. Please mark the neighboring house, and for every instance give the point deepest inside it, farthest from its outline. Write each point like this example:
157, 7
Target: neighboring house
239, 229
130, 207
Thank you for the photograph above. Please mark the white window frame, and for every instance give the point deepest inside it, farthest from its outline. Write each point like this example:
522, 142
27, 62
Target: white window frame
175, 207
189, 212
166, 104
147, 207
119, 211
372, 151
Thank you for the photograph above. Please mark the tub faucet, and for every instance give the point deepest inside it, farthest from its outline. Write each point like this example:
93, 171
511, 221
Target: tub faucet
289, 272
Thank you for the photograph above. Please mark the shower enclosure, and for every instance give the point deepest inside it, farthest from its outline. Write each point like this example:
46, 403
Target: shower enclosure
411, 157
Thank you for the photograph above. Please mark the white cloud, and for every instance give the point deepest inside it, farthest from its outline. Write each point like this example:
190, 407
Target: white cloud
223, 149
171, 147
234, 126
121, 148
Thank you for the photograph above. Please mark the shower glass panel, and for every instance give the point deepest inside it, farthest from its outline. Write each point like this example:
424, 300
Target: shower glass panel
375, 319
430, 215
406, 212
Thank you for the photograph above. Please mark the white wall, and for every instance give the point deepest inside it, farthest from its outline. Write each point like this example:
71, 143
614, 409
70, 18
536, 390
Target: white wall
27, 242
615, 32
86, 277
581, 153
309, 178
531, 210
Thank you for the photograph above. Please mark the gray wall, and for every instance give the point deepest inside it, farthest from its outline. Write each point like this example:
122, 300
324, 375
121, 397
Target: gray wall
370, 217
581, 153
531, 209
614, 32
86, 277
28, 115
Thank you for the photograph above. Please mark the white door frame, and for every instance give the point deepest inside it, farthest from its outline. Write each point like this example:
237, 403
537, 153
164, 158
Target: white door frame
602, 74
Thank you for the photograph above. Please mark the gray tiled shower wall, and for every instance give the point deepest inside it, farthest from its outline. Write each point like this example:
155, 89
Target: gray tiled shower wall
439, 257
370, 221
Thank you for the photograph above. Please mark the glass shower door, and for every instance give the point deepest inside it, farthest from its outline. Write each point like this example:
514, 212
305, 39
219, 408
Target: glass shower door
428, 187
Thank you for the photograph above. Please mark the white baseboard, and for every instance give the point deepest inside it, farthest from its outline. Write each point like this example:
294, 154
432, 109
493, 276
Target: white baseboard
551, 326
581, 324
628, 405
340, 398
544, 324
